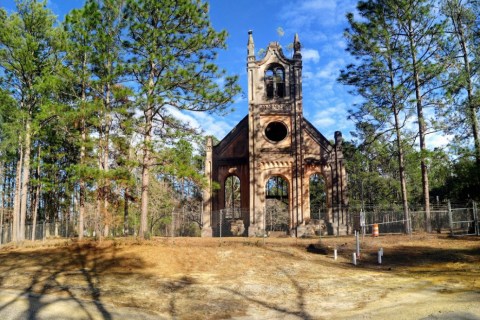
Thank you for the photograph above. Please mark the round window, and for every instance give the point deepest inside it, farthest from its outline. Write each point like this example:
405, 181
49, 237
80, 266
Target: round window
276, 131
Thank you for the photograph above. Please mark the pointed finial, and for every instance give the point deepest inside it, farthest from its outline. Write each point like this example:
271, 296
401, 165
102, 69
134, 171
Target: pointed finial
296, 47
250, 44
338, 138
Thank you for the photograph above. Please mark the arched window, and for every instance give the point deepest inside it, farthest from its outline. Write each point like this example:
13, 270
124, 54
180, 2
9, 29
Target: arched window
269, 84
280, 82
233, 197
275, 82
318, 197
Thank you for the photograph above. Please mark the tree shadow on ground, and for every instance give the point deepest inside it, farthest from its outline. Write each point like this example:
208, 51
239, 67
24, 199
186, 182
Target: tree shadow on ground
412, 256
67, 273
300, 310
403, 256
176, 287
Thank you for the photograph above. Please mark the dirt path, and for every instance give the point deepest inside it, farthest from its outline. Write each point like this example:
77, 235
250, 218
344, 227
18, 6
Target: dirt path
423, 277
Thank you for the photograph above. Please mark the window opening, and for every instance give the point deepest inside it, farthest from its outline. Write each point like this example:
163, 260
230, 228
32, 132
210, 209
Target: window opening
318, 197
276, 131
269, 83
275, 82
232, 197
280, 83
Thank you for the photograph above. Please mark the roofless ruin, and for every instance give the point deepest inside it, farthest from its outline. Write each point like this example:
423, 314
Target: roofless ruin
264, 166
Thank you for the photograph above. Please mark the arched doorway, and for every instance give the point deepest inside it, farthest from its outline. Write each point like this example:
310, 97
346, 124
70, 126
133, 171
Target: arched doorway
230, 221
277, 216
318, 197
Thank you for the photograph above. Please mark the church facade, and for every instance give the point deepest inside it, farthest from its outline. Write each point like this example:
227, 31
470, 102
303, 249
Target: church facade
271, 156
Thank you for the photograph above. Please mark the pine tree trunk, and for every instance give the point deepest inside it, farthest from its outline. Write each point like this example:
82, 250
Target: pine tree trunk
81, 210
99, 211
25, 179
400, 156
16, 201
83, 133
106, 188
403, 180
145, 173
125, 211
145, 180
421, 133
37, 198
127, 196
146, 156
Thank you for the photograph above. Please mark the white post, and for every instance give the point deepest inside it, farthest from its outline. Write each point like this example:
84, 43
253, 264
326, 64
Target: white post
357, 243
354, 259
335, 254
380, 255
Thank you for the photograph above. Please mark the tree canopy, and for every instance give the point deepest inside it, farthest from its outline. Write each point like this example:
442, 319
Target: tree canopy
92, 98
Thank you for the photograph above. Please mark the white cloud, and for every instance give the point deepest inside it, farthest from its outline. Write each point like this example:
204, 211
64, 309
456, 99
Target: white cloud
322, 122
184, 117
326, 73
329, 118
310, 55
210, 124
437, 140
309, 14
318, 5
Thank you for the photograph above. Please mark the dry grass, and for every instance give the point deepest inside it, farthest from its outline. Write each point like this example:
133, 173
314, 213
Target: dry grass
195, 278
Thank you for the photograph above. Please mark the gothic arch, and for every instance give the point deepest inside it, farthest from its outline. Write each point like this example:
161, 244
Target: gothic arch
318, 196
277, 204
275, 81
274, 139
233, 192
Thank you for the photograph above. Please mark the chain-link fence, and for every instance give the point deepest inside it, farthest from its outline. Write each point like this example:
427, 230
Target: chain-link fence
457, 219
39, 231
180, 222
230, 222
270, 221
464, 221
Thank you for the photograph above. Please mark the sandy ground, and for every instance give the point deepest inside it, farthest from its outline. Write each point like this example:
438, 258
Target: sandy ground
421, 277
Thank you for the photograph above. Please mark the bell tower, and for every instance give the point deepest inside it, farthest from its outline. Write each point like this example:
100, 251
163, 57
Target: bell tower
275, 123
275, 79
263, 166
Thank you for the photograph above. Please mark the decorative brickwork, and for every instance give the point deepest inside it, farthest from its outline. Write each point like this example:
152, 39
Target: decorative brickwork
274, 139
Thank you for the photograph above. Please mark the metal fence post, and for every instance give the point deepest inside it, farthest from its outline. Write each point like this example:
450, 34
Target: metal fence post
264, 233
450, 218
475, 218
173, 223
409, 223
221, 222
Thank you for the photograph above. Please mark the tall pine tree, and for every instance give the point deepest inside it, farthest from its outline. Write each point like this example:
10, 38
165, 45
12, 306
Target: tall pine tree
172, 47
30, 57
378, 77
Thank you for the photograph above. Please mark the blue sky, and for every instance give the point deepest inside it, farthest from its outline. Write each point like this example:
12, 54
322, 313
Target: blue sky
319, 24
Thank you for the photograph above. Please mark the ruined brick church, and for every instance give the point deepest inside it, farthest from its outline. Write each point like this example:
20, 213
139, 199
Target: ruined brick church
271, 156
